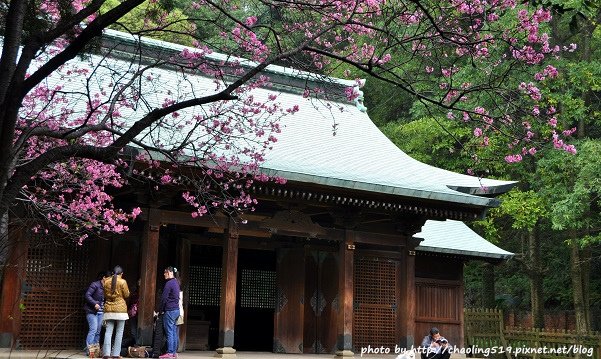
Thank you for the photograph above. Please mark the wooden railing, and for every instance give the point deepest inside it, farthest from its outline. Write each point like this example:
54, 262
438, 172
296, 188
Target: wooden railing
484, 330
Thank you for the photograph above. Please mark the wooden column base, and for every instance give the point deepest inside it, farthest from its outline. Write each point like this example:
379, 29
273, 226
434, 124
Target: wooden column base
407, 341
345, 354
226, 352
6, 340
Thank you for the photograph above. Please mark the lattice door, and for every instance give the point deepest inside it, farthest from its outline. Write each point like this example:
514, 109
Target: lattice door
376, 314
205, 286
55, 283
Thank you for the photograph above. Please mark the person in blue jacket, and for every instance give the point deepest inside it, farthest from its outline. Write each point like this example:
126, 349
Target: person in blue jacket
170, 309
94, 309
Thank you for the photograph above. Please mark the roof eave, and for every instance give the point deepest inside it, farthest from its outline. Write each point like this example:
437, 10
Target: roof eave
483, 190
464, 253
459, 198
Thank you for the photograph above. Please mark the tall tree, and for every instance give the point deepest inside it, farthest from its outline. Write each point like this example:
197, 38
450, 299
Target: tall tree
574, 202
578, 98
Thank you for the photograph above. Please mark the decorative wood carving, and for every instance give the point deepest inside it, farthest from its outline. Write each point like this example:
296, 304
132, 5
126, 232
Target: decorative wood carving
292, 221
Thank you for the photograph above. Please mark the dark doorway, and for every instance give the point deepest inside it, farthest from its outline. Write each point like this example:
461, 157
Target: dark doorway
255, 300
204, 297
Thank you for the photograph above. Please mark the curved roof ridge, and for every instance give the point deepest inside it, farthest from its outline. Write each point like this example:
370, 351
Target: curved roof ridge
343, 147
217, 56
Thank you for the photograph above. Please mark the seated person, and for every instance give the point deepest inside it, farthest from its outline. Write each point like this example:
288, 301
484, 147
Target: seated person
435, 346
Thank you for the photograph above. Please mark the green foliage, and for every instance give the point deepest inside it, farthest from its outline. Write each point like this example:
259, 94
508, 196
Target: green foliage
149, 15
571, 185
490, 228
513, 287
526, 208
558, 192
584, 76
437, 142
386, 103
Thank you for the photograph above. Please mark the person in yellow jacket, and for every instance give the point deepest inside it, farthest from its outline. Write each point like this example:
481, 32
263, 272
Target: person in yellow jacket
115, 312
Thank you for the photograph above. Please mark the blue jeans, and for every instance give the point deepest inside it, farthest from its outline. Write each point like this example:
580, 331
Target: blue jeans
119, 325
171, 330
94, 327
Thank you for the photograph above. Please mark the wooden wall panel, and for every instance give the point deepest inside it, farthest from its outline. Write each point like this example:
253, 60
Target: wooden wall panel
148, 276
290, 301
312, 295
439, 304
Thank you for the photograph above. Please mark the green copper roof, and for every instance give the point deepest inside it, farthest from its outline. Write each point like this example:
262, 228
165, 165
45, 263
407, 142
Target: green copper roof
454, 237
358, 156
355, 156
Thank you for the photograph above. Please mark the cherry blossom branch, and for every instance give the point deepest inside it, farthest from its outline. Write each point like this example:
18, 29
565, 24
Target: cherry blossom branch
91, 31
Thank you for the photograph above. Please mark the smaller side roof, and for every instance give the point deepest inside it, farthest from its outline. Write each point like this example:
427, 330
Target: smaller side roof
455, 237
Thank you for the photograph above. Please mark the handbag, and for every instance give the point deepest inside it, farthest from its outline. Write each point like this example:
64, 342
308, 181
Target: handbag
179, 320
137, 352
94, 350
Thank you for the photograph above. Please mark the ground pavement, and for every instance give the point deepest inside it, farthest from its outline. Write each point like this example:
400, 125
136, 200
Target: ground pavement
73, 354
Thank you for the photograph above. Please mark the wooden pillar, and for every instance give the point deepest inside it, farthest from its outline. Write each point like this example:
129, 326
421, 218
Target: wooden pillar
345, 291
13, 278
227, 308
407, 299
183, 265
148, 275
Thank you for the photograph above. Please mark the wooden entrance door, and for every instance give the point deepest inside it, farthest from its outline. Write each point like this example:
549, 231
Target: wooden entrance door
321, 302
377, 291
53, 295
290, 300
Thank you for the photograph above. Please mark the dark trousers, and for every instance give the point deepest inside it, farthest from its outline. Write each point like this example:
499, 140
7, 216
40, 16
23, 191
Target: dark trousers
158, 338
